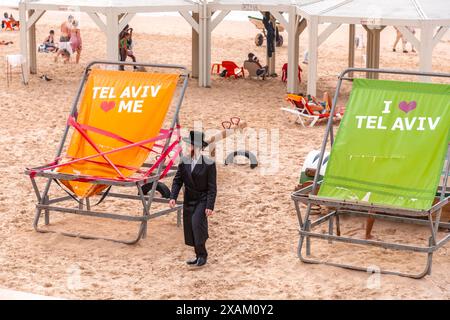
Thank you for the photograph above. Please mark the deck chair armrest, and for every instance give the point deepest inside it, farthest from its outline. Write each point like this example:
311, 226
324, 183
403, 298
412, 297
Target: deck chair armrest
364, 206
71, 177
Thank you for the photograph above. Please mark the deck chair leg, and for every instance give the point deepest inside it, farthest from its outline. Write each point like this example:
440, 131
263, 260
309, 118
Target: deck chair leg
429, 258
145, 205
313, 122
46, 212
88, 204
41, 200
330, 228
301, 121
338, 225
308, 239
81, 204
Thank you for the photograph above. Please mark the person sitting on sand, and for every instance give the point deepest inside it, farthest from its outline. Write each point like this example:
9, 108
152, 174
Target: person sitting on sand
14, 22
5, 43
5, 19
64, 53
262, 71
49, 42
75, 40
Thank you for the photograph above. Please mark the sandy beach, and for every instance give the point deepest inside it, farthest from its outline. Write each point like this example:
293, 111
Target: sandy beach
254, 232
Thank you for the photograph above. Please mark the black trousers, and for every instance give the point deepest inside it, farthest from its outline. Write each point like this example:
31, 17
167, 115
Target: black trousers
200, 251
123, 57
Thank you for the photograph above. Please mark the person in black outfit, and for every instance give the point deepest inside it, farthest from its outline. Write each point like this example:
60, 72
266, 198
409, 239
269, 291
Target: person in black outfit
198, 175
270, 34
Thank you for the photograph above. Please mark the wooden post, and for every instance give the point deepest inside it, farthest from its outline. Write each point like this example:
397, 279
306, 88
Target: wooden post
112, 35
292, 80
32, 45
373, 50
426, 50
351, 47
24, 40
195, 48
313, 43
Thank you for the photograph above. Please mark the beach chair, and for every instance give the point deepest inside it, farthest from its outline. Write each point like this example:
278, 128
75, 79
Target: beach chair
284, 71
116, 142
252, 69
232, 69
305, 115
385, 163
8, 25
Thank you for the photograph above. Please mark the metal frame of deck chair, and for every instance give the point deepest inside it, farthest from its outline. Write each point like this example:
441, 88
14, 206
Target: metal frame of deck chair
46, 204
362, 209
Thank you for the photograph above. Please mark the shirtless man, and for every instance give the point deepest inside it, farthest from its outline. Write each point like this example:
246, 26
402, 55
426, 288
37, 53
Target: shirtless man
66, 26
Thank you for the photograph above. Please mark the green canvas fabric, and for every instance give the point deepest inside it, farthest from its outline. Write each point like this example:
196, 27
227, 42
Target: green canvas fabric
391, 144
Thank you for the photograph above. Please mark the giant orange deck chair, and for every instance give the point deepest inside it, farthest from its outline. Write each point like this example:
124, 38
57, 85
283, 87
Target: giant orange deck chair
116, 141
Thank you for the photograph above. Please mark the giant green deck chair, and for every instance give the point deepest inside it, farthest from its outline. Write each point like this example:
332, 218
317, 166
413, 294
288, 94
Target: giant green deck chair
386, 162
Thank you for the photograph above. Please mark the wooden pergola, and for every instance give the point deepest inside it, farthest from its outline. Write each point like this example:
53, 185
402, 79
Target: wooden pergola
431, 17
111, 16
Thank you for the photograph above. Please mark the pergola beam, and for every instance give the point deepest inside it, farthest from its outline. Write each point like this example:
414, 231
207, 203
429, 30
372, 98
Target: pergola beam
187, 16
34, 17
439, 34
281, 19
327, 32
409, 36
98, 21
126, 18
218, 19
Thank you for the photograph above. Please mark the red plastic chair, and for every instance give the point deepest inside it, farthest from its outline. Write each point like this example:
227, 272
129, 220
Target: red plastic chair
8, 25
284, 73
231, 68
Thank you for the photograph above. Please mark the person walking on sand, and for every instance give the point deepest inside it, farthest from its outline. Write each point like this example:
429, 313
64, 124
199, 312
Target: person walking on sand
75, 40
198, 175
401, 37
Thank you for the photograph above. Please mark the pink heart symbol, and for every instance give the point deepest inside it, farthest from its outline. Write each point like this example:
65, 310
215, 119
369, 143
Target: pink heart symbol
107, 105
407, 106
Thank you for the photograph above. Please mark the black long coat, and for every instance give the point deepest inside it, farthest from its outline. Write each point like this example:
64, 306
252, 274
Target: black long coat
200, 191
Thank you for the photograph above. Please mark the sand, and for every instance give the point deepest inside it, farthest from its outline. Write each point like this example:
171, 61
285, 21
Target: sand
254, 232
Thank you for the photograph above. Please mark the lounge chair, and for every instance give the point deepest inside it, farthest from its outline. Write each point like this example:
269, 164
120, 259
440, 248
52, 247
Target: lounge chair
252, 69
232, 69
385, 163
304, 112
10, 25
116, 132
284, 70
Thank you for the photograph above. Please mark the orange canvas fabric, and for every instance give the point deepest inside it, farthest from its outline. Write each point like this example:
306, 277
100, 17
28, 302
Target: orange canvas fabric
132, 105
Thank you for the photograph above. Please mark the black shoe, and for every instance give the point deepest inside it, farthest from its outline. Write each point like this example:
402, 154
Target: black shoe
192, 262
394, 50
201, 261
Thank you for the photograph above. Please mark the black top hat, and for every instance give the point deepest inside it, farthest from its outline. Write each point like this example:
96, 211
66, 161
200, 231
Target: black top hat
197, 139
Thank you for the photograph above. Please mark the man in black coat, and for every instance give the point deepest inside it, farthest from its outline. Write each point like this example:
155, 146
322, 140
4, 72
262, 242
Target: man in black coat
198, 175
